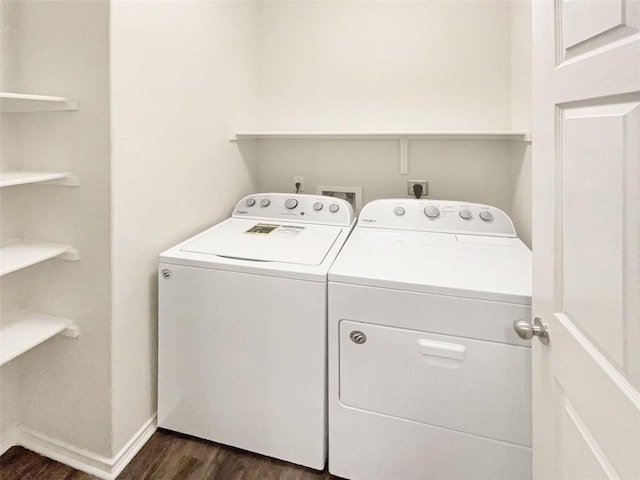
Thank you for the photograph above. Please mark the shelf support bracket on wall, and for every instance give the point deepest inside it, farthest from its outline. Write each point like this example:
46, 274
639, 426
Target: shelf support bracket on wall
404, 156
71, 255
68, 181
72, 331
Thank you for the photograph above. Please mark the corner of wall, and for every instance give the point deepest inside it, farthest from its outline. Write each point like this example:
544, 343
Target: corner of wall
174, 170
520, 113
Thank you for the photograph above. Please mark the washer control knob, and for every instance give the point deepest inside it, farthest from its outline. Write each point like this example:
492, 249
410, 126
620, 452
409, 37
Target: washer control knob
318, 206
399, 211
334, 207
250, 202
466, 214
486, 216
431, 211
265, 202
291, 203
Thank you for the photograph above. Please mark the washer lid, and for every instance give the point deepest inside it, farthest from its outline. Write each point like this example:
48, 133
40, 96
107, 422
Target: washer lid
472, 266
253, 240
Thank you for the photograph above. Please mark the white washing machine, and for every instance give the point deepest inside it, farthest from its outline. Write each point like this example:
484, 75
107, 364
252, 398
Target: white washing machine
427, 377
242, 327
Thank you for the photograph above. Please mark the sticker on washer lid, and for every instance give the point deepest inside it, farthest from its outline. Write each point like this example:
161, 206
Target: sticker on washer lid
262, 228
288, 231
275, 230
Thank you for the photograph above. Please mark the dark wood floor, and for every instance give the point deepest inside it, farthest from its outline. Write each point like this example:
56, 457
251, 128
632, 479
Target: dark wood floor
166, 456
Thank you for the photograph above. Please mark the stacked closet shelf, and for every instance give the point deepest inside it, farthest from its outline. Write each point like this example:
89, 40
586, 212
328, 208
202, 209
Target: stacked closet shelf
22, 330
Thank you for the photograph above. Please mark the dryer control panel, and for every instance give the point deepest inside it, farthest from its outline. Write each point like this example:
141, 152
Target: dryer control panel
295, 208
437, 216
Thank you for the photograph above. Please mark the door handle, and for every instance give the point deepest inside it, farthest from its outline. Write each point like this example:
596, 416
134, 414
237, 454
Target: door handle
527, 331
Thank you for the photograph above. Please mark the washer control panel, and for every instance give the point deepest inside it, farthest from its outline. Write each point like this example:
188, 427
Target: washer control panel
295, 208
437, 216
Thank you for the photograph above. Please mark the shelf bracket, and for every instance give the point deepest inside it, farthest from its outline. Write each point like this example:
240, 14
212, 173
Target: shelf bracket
68, 181
404, 156
71, 255
72, 331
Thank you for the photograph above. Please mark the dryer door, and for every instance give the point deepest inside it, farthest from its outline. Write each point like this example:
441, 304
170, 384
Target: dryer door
472, 386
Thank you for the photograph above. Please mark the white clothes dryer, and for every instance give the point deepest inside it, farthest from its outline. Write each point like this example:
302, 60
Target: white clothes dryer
427, 377
242, 327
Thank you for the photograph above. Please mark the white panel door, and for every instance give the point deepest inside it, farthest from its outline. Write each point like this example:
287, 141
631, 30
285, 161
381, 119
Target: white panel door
586, 246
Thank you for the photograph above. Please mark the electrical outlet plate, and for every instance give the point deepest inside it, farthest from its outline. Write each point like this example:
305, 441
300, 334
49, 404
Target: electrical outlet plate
353, 195
425, 187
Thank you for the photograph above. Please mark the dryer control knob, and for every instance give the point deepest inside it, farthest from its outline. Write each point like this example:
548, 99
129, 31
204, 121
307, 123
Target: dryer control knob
334, 207
486, 216
265, 202
466, 214
432, 212
250, 202
291, 203
318, 206
399, 211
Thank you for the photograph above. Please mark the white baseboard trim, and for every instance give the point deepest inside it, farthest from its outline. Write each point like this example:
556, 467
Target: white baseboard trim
133, 446
80, 459
9, 439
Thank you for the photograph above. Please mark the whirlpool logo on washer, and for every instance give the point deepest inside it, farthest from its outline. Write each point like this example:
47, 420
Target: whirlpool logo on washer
241, 212
368, 220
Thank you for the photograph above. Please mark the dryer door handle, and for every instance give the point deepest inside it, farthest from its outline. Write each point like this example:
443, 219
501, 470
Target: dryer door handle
442, 349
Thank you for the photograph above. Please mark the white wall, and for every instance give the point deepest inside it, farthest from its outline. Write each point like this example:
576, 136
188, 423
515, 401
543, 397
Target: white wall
63, 386
471, 170
384, 65
182, 80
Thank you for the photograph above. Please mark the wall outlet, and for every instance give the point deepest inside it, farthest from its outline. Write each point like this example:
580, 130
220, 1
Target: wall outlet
411, 183
298, 179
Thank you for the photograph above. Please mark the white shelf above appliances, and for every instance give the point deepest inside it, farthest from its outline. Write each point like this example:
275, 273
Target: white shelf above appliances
22, 177
19, 254
403, 137
22, 330
388, 135
24, 102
